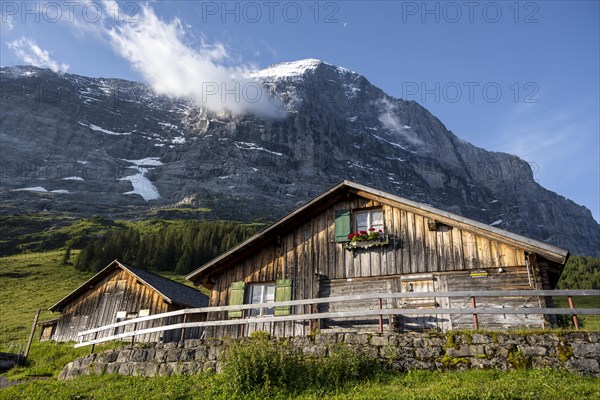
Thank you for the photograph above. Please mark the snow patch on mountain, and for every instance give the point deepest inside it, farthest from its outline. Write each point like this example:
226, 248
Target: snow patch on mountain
108, 132
287, 69
388, 142
153, 161
142, 186
254, 146
30, 189
73, 178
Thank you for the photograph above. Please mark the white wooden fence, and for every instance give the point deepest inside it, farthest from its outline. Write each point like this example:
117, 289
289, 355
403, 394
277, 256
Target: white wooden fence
90, 336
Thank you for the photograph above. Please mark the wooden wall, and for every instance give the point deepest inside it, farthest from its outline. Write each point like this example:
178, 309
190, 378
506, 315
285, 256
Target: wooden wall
309, 255
118, 291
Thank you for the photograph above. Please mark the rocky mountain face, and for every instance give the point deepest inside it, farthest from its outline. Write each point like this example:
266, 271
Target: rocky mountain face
112, 147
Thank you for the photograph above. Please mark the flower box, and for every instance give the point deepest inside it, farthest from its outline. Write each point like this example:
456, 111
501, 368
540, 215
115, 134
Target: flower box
384, 241
366, 240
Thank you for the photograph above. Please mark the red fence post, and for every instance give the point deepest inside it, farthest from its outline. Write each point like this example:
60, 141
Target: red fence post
380, 316
575, 320
475, 321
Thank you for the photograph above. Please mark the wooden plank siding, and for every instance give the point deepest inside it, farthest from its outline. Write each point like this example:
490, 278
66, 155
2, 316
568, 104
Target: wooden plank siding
119, 291
318, 266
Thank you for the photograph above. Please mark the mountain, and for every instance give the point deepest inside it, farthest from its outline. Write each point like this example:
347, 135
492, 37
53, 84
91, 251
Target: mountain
114, 148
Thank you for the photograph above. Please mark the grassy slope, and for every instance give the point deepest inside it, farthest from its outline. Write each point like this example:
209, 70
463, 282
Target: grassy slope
29, 282
532, 384
38, 280
590, 322
32, 281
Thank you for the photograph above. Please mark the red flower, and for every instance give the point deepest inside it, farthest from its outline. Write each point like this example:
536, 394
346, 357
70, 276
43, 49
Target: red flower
371, 229
362, 232
380, 231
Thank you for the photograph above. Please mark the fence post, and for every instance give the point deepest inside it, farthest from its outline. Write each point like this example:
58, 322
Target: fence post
475, 321
183, 329
35, 320
133, 336
575, 319
241, 330
94, 344
380, 316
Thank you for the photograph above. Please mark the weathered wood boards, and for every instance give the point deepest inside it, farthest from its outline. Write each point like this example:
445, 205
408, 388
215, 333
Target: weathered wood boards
455, 253
118, 293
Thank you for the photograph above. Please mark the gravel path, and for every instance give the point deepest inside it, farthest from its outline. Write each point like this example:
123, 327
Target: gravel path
4, 382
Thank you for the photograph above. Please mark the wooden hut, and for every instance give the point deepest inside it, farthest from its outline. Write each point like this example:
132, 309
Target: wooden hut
413, 248
120, 292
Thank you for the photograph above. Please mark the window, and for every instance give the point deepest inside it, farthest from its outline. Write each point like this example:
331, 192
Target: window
257, 293
364, 220
261, 293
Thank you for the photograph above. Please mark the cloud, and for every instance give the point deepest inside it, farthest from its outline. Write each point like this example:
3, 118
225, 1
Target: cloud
6, 23
30, 53
392, 122
156, 49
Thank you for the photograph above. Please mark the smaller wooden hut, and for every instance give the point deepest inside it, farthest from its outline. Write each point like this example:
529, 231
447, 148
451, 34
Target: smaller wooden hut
120, 292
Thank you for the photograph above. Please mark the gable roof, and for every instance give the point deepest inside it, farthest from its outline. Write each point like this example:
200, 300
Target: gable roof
339, 192
172, 292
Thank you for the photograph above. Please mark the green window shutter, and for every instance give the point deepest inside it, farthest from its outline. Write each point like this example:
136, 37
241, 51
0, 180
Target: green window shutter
283, 292
342, 225
236, 298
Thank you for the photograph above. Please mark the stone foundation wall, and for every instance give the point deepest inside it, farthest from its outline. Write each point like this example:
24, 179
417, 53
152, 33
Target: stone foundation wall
577, 352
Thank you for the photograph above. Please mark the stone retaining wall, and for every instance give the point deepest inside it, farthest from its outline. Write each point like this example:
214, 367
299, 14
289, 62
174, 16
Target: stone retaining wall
575, 352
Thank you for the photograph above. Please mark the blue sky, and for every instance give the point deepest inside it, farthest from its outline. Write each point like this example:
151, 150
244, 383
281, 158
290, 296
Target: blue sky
517, 77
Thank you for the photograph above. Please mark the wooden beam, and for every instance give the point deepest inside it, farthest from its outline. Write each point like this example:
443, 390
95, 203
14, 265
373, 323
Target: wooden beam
33, 326
368, 296
346, 314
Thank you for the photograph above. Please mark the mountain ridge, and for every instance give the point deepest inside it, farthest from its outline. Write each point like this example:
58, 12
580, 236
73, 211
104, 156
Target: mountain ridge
111, 146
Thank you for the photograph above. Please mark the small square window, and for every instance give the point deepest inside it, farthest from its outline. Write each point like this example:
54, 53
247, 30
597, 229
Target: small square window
261, 293
364, 220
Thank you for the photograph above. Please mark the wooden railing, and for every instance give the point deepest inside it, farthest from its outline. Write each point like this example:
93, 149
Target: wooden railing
379, 311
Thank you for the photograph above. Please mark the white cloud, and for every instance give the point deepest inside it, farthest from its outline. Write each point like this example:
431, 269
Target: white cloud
30, 53
156, 49
6, 23
392, 122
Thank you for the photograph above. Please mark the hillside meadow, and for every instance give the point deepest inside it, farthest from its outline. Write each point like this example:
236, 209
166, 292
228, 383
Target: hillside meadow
38, 280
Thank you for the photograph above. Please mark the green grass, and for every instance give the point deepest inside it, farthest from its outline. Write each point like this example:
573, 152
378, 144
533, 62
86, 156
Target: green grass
47, 359
590, 322
532, 384
48, 231
29, 282
37, 281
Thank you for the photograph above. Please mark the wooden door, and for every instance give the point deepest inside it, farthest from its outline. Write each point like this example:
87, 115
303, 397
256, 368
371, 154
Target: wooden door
422, 283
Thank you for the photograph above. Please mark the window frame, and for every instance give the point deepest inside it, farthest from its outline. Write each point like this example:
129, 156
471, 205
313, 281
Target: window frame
368, 211
260, 312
